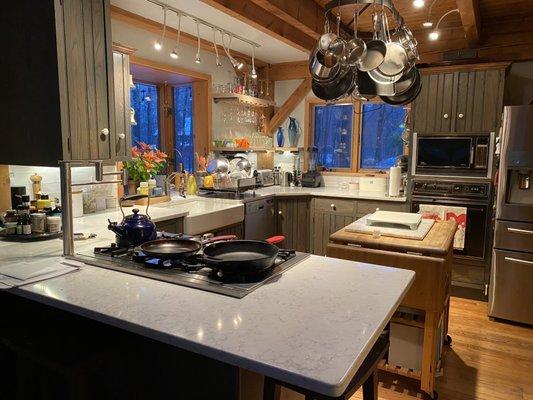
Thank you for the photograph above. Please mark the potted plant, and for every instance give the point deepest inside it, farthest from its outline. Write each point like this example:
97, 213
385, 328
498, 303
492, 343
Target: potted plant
146, 162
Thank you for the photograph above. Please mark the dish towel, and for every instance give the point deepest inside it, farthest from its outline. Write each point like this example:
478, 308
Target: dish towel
446, 213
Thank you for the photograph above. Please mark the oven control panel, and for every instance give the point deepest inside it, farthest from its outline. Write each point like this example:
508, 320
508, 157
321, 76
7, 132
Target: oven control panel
450, 189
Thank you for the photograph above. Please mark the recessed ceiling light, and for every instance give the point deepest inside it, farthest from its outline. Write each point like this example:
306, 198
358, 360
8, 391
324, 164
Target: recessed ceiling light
427, 24
419, 3
434, 35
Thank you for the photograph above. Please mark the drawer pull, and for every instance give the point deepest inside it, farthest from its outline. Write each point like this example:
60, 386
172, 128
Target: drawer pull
446, 116
105, 131
518, 260
461, 116
122, 136
279, 212
332, 205
522, 231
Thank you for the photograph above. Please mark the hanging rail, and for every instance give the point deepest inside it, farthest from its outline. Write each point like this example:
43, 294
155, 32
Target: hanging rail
333, 4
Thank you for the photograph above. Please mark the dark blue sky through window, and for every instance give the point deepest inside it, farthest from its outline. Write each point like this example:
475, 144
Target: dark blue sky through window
333, 135
183, 126
144, 100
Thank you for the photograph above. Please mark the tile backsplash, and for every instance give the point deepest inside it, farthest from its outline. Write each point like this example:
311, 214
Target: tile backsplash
19, 175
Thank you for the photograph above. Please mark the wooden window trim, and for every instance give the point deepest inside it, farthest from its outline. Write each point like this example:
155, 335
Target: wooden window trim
355, 169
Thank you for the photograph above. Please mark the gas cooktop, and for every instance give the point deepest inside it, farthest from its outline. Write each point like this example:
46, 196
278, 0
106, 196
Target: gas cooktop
191, 272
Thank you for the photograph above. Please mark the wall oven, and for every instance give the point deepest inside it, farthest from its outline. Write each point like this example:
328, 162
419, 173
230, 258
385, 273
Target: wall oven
464, 155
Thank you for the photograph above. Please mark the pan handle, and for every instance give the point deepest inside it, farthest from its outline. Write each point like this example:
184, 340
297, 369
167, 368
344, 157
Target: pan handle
275, 239
222, 238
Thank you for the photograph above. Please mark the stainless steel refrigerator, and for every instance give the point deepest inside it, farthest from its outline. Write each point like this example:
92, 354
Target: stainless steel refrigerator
511, 286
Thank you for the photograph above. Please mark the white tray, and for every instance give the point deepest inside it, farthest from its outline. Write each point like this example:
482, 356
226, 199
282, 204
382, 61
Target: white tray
394, 219
361, 226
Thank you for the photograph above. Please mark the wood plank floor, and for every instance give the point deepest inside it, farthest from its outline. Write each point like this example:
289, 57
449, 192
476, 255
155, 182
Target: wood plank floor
488, 360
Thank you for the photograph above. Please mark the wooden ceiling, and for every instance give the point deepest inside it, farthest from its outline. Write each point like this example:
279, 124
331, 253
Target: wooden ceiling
498, 30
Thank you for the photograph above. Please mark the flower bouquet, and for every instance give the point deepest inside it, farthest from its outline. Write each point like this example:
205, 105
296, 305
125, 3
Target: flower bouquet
146, 162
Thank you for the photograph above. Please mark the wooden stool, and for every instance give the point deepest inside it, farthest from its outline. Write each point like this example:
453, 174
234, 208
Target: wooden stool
366, 376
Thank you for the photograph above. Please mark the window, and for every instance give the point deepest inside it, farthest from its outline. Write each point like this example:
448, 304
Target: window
183, 126
145, 102
333, 135
382, 126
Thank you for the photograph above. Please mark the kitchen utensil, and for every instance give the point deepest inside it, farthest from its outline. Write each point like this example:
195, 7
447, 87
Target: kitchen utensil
134, 229
406, 97
356, 48
175, 248
395, 59
218, 165
337, 45
375, 49
406, 81
242, 256
369, 87
404, 36
323, 67
341, 87
286, 178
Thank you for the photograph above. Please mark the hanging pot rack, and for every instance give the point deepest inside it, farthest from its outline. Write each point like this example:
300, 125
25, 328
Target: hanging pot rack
333, 5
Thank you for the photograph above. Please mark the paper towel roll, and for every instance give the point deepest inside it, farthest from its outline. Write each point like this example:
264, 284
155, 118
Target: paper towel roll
395, 179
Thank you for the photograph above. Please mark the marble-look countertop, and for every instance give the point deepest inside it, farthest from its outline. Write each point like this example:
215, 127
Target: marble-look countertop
312, 327
326, 191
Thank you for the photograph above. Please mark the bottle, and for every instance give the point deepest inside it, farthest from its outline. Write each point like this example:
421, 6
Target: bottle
43, 202
26, 224
151, 185
19, 226
143, 188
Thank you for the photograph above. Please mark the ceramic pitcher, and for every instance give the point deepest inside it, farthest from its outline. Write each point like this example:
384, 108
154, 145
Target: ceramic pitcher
294, 132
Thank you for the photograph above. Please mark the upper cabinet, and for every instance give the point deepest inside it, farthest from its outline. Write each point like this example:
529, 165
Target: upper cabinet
460, 101
121, 67
61, 83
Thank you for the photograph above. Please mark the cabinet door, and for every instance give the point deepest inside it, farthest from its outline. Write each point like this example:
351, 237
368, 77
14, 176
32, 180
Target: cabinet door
86, 66
324, 224
479, 100
121, 67
434, 105
293, 223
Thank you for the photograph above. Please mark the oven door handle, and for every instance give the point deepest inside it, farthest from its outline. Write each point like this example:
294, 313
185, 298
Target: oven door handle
518, 260
521, 231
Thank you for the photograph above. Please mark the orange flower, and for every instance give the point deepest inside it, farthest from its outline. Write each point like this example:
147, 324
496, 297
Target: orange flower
135, 152
148, 165
144, 146
149, 156
160, 155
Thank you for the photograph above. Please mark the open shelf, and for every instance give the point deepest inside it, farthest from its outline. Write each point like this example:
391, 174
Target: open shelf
243, 98
409, 373
283, 149
239, 149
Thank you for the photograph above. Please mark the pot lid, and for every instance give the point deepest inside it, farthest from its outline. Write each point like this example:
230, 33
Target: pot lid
136, 216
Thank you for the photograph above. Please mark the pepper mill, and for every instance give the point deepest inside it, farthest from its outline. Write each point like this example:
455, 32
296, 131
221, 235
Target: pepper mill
36, 185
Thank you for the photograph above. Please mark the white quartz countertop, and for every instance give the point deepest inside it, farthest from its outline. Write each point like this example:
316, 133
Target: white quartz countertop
326, 191
312, 327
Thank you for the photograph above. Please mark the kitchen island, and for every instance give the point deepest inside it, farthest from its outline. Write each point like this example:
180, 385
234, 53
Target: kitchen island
312, 328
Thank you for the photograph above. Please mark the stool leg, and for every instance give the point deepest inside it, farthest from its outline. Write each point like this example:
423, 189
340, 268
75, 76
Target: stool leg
370, 387
269, 389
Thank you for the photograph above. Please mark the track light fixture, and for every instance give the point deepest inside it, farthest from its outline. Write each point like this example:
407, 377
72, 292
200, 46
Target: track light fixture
428, 23
197, 60
219, 64
158, 45
435, 34
253, 75
236, 64
175, 53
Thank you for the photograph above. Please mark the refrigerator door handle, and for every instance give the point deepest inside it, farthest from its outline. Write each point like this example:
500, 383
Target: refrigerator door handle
522, 231
518, 260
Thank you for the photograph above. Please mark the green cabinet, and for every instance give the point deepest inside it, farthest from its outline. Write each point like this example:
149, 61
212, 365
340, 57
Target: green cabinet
122, 131
61, 85
461, 101
293, 222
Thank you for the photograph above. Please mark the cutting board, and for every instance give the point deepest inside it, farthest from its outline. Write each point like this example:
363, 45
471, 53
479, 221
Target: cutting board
360, 226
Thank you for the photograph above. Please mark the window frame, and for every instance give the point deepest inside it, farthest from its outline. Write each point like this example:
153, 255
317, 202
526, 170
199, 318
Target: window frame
357, 127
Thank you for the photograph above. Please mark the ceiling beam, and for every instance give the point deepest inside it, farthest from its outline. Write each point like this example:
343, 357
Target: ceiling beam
257, 17
119, 14
469, 11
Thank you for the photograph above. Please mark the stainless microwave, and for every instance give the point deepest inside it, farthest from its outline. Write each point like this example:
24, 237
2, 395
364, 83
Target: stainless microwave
453, 154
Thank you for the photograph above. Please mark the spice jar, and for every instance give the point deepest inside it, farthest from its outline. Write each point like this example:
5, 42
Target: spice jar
38, 222
53, 223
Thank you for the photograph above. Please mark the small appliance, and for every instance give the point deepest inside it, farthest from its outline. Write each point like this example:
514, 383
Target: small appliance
312, 178
265, 177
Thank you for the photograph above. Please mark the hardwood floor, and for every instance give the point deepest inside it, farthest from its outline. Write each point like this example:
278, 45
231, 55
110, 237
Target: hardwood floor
488, 360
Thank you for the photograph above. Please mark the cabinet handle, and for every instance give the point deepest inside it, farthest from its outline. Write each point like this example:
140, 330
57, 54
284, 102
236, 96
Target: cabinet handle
445, 116
332, 206
461, 116
122, 136
518, 260
279, 212
516, 230
105, 131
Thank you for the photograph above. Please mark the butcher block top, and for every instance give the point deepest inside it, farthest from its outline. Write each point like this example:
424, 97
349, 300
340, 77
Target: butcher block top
437, 242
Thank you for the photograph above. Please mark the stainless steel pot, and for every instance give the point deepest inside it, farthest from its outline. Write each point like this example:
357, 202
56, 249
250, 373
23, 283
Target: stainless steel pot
323, 67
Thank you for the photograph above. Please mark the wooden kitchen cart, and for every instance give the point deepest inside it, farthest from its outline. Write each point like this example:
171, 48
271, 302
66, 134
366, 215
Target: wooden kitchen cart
430, 258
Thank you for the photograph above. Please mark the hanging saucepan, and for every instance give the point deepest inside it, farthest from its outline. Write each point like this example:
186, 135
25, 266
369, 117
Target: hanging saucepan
369, 87
375, 49
395, 61
355, 49
406, 97
404, 36
323, 67
339, 88
406, 81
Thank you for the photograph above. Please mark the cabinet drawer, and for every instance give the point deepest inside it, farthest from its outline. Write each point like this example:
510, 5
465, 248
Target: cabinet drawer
335, 205
367, 207
514, 236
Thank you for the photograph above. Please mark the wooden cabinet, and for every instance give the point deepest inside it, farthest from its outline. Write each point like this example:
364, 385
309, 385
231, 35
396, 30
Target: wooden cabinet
122, 137
171, 226
60, 88
332, 214
293, 222
460, 101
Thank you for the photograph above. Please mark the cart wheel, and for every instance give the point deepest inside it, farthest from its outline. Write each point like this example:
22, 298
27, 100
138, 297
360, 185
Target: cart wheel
448, 340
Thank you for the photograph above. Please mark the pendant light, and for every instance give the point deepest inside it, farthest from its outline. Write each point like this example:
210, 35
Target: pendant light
218, 63
175, 53
158, 45
197, 60
253, 75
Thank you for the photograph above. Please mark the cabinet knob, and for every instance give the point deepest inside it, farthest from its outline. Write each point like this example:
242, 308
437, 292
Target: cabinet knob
461, 115
279, 212
445, 116
332, 206
122, 136
105, 131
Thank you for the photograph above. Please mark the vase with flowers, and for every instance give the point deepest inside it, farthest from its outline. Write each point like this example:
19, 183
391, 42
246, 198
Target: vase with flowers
146, 162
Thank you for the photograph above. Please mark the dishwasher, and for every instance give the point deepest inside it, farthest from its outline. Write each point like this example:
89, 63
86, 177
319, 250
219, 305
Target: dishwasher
259, 221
